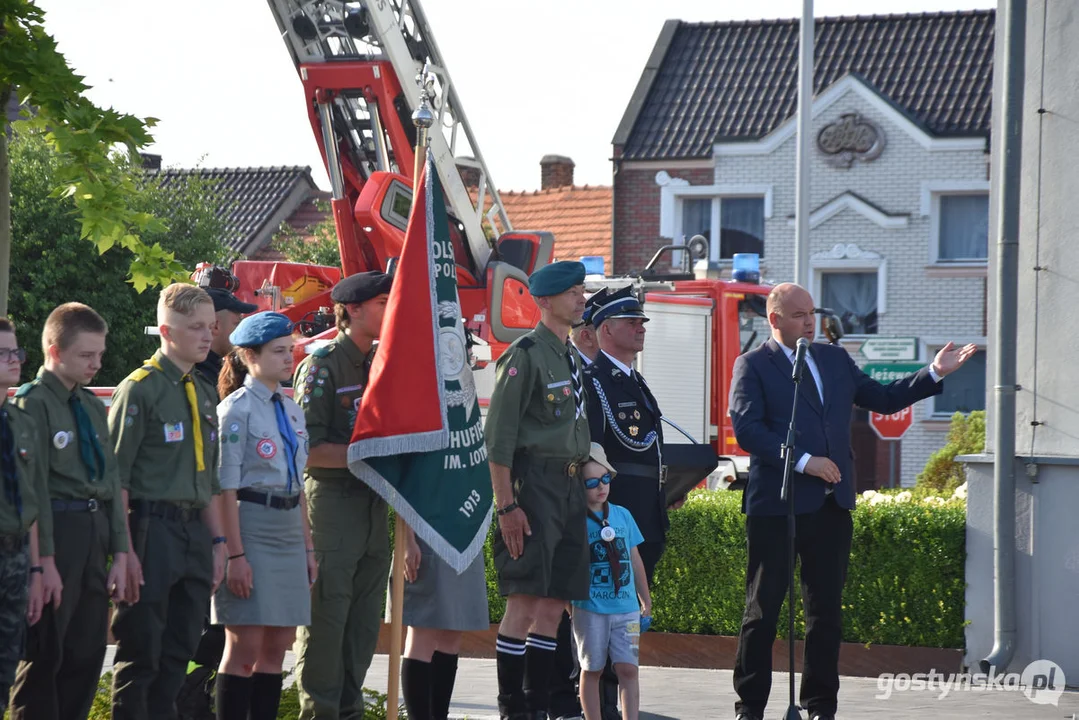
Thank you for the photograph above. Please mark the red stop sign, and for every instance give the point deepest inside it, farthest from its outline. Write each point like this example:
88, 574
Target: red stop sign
892, 427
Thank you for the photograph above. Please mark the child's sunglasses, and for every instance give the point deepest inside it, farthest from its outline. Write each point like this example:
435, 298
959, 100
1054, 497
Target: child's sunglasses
593, 483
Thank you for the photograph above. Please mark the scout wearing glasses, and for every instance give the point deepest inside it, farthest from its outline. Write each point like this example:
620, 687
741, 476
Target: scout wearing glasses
59, 676
609, 622
537, 438
271, 561
163, 425
22, 464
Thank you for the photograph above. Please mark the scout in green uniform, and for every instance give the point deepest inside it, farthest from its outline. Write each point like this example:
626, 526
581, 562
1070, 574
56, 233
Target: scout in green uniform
58, 678
537, 438
349, 522
163, 424
22, 467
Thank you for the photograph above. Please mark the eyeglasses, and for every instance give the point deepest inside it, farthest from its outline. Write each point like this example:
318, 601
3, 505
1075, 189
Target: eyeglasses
9, 354
593, 483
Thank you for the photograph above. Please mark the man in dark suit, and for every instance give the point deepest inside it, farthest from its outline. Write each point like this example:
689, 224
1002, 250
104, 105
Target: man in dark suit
760, 407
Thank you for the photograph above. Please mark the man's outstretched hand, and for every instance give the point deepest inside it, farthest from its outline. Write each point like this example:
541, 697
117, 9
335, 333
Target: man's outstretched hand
950, 358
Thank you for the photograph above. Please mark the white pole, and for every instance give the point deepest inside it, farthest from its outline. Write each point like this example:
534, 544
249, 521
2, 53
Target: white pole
805, 116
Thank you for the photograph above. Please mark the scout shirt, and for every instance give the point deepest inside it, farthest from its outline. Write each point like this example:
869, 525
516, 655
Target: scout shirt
252, 450
30, 461
46, 399
532, 406
151, 428
329, 385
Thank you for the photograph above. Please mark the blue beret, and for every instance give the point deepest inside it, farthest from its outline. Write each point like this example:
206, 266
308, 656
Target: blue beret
556, 278
361, 287
260, 328
621, 304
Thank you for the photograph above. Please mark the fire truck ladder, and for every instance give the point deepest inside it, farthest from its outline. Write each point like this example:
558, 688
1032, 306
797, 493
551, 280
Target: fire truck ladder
321, 31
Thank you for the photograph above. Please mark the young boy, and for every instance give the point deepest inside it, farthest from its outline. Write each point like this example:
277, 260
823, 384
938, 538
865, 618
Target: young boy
609, 622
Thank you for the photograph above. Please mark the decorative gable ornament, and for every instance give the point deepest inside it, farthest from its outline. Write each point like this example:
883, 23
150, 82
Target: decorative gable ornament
851, 137
846, 251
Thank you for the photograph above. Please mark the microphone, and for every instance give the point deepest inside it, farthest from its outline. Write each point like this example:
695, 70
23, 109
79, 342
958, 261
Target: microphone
800, 359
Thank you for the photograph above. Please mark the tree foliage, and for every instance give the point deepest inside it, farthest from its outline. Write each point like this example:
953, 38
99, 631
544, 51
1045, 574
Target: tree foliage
966, 436
95, 145
54, 265
316, 245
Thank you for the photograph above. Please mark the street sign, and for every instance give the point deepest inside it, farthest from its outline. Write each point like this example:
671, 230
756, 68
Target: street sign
894, 426
890, 348
889, 372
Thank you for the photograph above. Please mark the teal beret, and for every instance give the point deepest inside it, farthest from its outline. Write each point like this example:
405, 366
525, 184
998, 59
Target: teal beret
556, 278
260, 328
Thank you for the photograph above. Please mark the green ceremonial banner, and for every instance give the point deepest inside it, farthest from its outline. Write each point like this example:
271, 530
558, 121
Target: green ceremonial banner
418, 438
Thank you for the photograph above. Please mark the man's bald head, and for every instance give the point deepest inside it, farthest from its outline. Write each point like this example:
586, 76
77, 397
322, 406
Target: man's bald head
790, 313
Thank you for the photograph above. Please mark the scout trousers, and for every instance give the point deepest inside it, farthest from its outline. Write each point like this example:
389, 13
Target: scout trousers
14, 566
157, 636
65, 649
350, 530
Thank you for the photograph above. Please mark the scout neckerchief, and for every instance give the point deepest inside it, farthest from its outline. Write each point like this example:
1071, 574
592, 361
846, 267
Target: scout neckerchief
93, 457
196, 421
288, 437
7, 463
608, 535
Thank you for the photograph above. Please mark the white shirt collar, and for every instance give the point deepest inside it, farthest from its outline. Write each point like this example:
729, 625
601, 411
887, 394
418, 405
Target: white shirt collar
618, 364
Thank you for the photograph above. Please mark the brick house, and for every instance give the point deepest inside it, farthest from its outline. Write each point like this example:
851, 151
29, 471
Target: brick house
899, 180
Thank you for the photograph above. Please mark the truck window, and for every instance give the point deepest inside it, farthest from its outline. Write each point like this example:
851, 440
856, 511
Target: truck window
753, 329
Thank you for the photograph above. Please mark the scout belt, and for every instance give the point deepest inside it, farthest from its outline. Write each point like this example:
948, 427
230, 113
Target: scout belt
260, 497
12, 543
163, 509
569, 468
91, 505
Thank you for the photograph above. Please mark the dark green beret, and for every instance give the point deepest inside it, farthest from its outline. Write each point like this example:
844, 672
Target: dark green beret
556, 278
260, 328
361, 287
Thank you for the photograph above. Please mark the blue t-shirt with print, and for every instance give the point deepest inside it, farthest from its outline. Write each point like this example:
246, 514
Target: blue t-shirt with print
602, 597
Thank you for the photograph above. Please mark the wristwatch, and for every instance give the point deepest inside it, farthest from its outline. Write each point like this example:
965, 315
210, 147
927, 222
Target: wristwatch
508, 509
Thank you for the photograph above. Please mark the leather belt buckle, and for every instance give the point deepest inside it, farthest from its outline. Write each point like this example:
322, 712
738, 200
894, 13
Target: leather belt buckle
91, 505
572, 468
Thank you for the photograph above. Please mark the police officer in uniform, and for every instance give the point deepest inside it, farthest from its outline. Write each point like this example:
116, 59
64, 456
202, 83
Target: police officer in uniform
537, 442
229, 310
349, 521
23, 472
583, 333
163, 425
59, 676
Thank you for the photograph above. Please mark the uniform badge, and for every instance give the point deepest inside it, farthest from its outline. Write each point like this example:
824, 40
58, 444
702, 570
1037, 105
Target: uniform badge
23, 453
132, 410
234, 427
324, 373
558, 412
607, 534
129, 421
633, 430
60, 440
566, 391
512, 372
636, 414
550, 397
213, 436
621, 416
266, 449
174, 432
317, 392
234, 438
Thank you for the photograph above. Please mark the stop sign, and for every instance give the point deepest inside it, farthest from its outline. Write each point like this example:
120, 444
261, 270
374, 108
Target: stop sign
892, 427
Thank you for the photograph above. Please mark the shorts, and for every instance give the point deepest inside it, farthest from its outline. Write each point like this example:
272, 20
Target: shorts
599, 636
555, 560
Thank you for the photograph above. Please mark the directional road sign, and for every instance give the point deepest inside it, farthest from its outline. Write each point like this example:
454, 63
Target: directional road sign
890, 348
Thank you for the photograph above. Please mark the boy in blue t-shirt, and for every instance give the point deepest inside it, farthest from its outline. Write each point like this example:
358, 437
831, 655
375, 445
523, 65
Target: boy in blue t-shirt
609, 622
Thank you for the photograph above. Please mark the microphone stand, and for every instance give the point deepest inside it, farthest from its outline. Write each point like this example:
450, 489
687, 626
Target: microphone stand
787, 493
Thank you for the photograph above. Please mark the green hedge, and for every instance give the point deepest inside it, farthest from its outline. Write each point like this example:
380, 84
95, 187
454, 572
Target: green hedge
905, 585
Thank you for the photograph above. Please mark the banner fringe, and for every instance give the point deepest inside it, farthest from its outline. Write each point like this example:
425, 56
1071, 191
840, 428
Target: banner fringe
384, 446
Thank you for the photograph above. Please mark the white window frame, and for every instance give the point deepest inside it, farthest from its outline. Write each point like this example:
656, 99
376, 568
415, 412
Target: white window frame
850, 258
674, 190
929, 347
932, 191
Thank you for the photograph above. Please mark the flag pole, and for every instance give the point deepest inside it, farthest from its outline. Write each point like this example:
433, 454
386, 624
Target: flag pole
423, 119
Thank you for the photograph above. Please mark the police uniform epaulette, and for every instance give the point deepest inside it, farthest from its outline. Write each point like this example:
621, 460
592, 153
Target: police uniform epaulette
25, 388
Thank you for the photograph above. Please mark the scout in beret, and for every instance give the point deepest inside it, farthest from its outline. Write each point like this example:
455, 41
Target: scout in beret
537, 441
350, 521
271, 561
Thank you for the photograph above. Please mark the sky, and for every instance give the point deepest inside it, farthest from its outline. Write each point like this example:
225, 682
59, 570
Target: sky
534, 77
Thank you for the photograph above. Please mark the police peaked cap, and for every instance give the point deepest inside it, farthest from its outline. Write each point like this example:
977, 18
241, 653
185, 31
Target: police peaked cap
590, 305
556, 278
224, 300
361, 287
620, 304
260, 328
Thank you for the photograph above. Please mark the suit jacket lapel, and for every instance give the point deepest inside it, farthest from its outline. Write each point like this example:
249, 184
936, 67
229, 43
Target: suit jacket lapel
807, 389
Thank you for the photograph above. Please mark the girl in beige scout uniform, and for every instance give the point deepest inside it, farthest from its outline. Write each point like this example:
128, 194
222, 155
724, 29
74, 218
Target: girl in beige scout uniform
271, 563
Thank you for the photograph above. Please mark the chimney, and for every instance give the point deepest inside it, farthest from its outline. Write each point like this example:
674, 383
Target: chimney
556, 171
150, 161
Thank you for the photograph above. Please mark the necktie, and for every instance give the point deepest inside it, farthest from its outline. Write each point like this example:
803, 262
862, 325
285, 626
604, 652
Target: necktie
575, 378
644, 392
93, 457
7, 463
288, 436
196, 422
